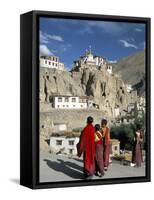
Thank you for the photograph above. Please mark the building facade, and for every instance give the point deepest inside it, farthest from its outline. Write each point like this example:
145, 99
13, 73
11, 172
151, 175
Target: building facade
93, 61
51, 62
71, 102
114, 147
64, 145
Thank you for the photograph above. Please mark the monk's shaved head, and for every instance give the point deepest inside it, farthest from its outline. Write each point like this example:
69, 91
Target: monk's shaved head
90, 120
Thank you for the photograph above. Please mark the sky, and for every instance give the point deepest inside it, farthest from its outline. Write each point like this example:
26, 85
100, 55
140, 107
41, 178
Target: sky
70, 38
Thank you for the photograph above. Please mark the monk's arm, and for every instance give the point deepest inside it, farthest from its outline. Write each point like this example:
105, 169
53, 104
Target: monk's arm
80, 145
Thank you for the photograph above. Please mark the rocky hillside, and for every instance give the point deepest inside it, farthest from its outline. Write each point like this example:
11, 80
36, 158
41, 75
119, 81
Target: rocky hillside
132, 70
107, 91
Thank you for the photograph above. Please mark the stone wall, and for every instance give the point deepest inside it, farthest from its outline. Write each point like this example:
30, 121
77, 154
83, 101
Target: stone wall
73, 119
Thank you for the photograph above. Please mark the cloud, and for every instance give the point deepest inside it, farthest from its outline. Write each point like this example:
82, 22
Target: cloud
127, 44
142, 44
108, 27
138, 29
55, 37
44, 50
112, 61
45, 38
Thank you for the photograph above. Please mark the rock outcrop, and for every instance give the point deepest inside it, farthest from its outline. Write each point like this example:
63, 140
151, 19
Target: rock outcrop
107, 90
132, 70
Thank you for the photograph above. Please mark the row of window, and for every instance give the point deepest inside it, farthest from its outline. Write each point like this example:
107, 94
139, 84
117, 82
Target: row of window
59, 142
60, 99
66, 99
49, 63
67, 106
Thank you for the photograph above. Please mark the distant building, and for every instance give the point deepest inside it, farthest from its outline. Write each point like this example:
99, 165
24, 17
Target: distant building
129, 88
59, 127
93, 61
51, 62
141, 104
131, 108
72, 102
64, 145
117, 111
114, 147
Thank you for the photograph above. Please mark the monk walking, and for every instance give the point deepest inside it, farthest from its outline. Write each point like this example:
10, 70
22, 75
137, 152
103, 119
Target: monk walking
86, 146
106, 143
99, 163
137, 158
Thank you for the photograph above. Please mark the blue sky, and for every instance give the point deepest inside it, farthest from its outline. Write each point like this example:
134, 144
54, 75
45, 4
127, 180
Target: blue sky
69, 38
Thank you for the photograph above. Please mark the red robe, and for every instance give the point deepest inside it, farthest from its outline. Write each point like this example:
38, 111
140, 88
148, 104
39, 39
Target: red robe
106, 144
86, 146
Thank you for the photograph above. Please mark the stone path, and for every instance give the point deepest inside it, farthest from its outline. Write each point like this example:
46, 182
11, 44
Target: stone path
63, 168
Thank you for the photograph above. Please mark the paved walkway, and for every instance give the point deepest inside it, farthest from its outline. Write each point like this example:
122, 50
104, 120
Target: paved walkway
63, 168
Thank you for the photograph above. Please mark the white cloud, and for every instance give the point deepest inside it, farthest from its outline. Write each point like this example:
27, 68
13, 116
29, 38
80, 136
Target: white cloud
108, 27
127, 44
44, 50
112, 61
138, 29
142, 45
45, 38
55, 37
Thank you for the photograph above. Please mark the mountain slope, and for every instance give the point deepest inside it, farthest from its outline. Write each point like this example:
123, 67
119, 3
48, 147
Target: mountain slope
132, 71
132, 68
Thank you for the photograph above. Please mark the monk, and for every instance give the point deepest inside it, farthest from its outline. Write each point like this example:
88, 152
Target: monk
99, 162
137, 157
106, 143
86, 146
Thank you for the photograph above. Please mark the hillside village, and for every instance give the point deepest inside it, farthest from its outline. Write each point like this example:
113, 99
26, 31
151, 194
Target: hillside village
90, 88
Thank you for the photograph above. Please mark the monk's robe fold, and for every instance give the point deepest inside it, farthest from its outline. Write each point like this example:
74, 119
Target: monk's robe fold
87, 147
106, 145
99, 162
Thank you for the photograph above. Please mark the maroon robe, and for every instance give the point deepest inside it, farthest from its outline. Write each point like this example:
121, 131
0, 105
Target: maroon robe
86, 146
99, 162
137, 149
106, 146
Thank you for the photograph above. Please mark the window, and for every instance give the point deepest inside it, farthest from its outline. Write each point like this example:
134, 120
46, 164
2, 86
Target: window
73, 105
66, 99
49, 63
58, 106
58, 142
81, 106
53, 64
71, 142
45, 62
59, 99
71, 151
73, 99
115, 148
63, 105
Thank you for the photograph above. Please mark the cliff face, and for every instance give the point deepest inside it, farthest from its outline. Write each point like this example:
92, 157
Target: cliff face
132, 70
57, 82
108, 91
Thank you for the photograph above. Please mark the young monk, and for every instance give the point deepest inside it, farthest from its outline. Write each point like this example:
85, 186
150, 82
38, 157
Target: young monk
106, 143
86, 146
137, 158
99, 163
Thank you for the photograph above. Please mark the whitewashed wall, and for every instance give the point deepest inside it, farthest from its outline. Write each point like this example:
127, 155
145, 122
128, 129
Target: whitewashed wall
65, 147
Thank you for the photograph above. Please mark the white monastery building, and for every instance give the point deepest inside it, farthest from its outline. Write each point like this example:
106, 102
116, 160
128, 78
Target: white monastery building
51, 62
72, 102
64, 145
90, 60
